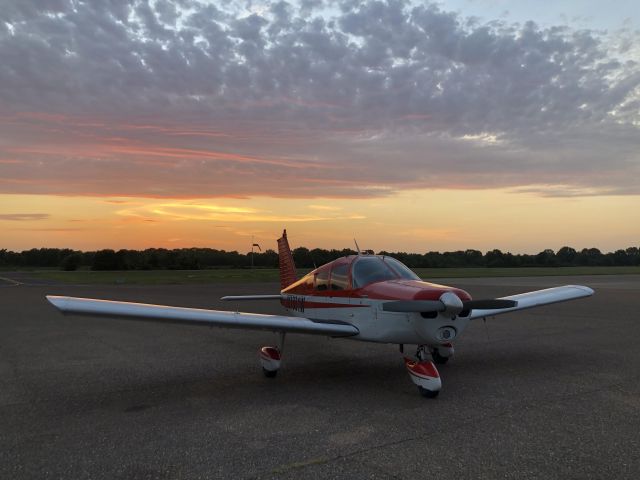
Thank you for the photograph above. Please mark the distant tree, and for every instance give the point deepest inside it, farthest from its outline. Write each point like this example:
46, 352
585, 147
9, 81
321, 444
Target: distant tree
188, 259
634, 255
546, 258
197, 258
494, 258
455, 259
433, 260
473, 258
105, 260
268, 258
590, 257
620, 257
4, 258
567, 256
302, 257
71, 262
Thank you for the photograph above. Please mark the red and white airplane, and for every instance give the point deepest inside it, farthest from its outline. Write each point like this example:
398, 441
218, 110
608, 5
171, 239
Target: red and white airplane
372, 298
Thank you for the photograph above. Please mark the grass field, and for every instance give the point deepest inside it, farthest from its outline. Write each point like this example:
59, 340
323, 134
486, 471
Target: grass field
159, 277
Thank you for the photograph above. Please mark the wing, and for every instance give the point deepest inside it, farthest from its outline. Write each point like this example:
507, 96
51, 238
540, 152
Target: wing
536, 298
197, 316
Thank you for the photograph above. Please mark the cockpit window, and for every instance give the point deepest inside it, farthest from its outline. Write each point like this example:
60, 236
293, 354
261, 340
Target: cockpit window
308, 281
401, 269
368, 270
322, 280
339, 277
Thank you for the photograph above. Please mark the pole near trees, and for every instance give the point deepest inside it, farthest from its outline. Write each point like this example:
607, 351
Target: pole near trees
253, 245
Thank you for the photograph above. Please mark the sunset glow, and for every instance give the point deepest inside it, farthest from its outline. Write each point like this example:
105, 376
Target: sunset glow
415, 220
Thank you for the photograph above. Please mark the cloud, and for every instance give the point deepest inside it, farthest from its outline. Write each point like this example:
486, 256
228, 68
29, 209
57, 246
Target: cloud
327, 208
53, 230
180, 211
362, 99
24, 217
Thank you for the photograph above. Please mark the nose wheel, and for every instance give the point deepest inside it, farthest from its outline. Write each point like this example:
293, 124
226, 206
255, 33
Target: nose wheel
442, 354
426, 393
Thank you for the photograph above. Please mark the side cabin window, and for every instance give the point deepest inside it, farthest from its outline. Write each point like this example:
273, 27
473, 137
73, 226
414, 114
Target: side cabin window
339, 277
368, 270
322, 280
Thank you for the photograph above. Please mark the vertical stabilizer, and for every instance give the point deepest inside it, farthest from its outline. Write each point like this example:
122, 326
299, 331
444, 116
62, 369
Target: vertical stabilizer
287, 266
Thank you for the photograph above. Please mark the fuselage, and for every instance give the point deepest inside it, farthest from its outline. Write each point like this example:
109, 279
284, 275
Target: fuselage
353, 289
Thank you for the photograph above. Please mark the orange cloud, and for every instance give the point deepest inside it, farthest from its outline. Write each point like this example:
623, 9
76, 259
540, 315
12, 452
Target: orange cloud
23, 217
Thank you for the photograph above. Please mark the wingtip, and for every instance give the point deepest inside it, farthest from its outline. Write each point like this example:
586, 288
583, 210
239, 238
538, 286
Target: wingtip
587, 290
57, 301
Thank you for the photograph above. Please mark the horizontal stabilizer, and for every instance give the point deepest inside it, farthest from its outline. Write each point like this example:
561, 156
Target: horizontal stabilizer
251, 297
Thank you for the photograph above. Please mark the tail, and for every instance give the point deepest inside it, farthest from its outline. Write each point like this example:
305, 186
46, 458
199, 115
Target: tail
287, 266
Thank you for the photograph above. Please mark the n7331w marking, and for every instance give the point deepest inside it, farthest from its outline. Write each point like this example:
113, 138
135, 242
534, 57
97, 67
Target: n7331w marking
371, 298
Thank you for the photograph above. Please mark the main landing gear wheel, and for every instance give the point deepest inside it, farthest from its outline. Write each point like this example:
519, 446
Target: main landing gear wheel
428, 393
270, 358
269, 373
437, 358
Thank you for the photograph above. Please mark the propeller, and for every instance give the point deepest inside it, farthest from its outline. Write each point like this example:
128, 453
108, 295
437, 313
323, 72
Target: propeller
449, 302
489, 304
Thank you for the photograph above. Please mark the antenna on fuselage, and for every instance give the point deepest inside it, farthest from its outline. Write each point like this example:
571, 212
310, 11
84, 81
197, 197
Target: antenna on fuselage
357, 247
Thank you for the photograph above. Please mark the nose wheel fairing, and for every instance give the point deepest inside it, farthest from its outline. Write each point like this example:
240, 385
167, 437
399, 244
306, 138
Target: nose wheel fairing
422, 370
425, 376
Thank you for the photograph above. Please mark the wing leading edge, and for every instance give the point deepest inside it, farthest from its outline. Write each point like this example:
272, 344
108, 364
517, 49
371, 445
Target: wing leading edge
537, 298
197, 316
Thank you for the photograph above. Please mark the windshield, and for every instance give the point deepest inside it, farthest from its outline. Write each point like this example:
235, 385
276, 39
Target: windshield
368, 270
401, 269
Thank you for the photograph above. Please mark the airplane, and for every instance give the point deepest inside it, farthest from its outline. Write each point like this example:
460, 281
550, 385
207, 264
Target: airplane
366, 297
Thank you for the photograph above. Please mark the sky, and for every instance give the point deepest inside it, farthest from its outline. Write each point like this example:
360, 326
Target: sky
411, 126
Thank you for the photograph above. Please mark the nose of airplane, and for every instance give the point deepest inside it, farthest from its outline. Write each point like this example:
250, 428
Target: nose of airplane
452, 303
435, 292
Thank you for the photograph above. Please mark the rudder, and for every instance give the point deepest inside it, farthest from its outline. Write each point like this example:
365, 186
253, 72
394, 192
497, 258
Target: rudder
288, 273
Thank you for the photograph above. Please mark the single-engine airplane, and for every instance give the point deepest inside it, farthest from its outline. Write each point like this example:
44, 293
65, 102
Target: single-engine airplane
372, 298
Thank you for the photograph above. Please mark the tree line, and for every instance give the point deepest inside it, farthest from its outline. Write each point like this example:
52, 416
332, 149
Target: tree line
204, 258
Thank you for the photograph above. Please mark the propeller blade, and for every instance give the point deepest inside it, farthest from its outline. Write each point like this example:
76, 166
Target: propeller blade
423, 306
428, 306
489, 304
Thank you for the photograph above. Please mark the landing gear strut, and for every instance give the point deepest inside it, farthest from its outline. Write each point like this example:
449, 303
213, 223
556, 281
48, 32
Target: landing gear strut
442, 353
423, 372
271, 357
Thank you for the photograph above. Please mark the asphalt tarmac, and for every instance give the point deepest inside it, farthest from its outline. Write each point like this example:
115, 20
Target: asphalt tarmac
552, 392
